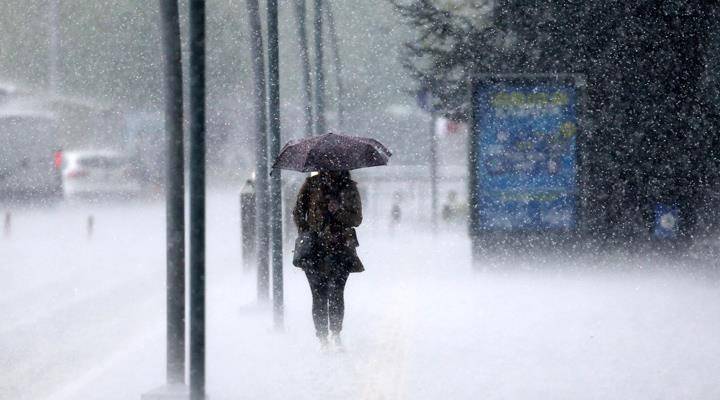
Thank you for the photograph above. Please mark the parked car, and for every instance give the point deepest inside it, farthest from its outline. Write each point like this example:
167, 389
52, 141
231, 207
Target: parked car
99, 173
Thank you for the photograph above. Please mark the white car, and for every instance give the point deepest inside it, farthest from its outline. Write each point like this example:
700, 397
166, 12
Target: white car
98, 173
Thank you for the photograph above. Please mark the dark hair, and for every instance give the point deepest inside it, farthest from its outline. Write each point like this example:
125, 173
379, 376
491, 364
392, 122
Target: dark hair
343, 177
336, 180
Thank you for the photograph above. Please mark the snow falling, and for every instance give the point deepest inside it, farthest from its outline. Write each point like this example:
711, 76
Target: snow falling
546, 227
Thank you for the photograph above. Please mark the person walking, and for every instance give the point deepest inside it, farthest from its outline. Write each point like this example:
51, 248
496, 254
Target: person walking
326, 213
328, 209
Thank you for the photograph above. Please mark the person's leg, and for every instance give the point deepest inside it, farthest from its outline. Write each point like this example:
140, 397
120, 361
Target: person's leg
336, 297
319, 289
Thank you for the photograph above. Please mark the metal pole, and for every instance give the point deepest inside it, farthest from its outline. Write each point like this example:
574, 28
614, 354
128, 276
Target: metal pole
248, 218
275, 187
174, 193
54, 49
338, 66
7, 225
319, 73
197, 199
90, 226
261, 153
300, 14
433, 172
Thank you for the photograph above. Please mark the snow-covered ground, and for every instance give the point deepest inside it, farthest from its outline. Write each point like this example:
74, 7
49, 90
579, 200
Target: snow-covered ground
83, 318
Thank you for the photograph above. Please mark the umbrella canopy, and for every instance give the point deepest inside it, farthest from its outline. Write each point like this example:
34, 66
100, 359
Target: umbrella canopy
331, 152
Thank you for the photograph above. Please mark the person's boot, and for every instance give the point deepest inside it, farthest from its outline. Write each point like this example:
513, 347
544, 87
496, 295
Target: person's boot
324, 342
337, 343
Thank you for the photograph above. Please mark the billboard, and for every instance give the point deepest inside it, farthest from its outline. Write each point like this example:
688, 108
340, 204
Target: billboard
524, 142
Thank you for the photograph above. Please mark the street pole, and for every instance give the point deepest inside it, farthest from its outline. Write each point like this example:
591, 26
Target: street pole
433, 172
54, 49
175, 193
319, 73
174, 207
338, 66
261, 153
275, 188
300, 15
197, 198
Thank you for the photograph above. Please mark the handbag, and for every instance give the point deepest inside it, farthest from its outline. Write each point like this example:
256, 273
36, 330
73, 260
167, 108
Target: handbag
307, 248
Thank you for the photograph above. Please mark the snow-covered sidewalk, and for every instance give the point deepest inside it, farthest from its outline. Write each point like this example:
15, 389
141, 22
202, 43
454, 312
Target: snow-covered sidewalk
420, 324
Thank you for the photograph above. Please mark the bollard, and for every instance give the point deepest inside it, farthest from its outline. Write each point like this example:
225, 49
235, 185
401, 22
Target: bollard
90, 226
247, 224
395, 211
7, 226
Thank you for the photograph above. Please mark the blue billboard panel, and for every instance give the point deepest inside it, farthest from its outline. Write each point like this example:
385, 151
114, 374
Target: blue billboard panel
525, 156
667, 218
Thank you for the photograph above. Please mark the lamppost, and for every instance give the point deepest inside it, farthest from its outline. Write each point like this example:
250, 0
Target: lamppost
275, 183
261, 152
197, 198
334, 39
319, 71
425, 102
300, 15
174, 207
54, 49
175, 192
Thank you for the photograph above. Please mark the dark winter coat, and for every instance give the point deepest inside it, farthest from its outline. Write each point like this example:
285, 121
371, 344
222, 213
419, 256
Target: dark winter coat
336, 230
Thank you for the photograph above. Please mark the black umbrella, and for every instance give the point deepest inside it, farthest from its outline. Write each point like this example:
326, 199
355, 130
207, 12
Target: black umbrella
331, 152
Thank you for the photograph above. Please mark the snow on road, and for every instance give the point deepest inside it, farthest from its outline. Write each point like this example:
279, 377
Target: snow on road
82, 319
70, 301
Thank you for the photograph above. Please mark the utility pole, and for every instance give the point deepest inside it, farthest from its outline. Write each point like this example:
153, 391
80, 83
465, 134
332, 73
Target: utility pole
261, 153
54, 49
301, 16
275, 181
338, 66
197, 199
319, 73
175, 193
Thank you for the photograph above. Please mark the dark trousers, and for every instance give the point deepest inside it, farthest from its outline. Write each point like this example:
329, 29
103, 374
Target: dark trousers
328, 307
